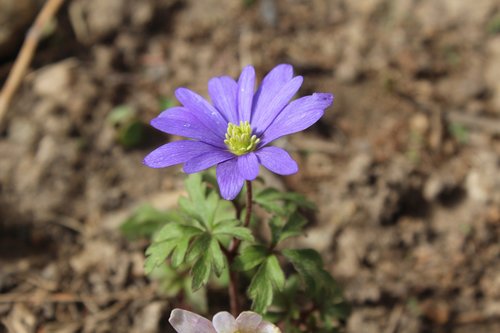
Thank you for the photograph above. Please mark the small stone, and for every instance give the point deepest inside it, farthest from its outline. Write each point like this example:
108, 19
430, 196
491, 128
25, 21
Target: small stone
22, 132
53, 81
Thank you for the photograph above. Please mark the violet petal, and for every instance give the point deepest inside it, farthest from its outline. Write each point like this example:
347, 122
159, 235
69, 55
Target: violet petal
224, 91
206, 160
297, 116
277, 160
265, 116
181, 121
248, 165
269, 88
202, 110
224, 322
188, 322
229, 179
176, 152
246, 85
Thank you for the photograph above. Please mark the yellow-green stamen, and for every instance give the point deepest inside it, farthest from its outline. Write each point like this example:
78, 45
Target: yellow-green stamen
239, 139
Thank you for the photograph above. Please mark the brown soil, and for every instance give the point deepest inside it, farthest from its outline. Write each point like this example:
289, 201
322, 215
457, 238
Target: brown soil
405, 168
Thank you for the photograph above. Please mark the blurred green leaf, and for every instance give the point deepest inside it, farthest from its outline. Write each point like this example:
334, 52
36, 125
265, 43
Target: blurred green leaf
132, 134
309, 265
145, 221
167, 103
121, 114
494, 25
459, 132
281, 203
292, 227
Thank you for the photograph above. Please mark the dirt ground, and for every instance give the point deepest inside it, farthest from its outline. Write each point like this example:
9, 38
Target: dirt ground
405, 168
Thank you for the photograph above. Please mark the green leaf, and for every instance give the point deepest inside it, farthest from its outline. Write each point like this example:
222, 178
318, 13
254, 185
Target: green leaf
173, 237
166, 103
250, 257
281, 203
156, 255
260, 291
231, 228
218, 258
121, 114
176, 231
179, 252
268, 278
132, 134
145, 221
274, 272
187, 207
309, 265
203, 204
199, 247
211, 257
201, 271
291, 228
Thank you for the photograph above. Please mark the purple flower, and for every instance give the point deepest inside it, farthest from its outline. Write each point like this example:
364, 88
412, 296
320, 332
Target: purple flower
235, 131
223, 322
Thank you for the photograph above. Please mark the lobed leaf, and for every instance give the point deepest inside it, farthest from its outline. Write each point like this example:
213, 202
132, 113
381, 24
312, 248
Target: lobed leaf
281, 203
291, 228
309, 265
201, 271
231, 228
268, 278
250, 257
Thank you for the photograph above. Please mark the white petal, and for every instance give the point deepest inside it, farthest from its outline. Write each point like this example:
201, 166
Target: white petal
267, 327
248, 321
188, 322
224, 322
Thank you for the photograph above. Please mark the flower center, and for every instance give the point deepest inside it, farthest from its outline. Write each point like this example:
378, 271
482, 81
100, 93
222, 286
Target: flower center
239, 139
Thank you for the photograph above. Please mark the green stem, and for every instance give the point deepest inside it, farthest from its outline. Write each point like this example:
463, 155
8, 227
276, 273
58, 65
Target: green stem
231, 254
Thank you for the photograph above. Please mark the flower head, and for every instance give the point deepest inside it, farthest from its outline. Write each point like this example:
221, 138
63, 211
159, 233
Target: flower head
234, 132
223, 322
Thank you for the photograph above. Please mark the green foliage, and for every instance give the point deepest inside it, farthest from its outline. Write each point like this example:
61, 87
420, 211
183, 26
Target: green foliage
204, 224
268, 278
250, 257
197, 240
130, 131
171, 238
176, 281
284, 228
281, 203
459, 132
309, 265
145, 221
167, 103
321, 288
494, 25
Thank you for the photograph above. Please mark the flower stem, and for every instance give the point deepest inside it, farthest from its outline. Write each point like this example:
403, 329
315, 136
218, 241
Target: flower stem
231, 254
249, 203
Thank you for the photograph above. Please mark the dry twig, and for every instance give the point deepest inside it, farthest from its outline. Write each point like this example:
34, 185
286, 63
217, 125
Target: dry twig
26, 54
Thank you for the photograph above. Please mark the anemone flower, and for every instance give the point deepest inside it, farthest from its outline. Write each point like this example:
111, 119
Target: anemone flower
235, 132
223, 322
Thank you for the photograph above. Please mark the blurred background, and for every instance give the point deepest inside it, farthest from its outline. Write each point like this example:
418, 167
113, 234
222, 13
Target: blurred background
405, 168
